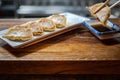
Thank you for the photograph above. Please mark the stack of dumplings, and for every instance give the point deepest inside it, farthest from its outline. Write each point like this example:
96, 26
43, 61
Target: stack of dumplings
27, 30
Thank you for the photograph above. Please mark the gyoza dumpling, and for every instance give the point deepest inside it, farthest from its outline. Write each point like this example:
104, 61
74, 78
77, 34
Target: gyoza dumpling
103, 15
92, 9
18, 34
35, 27
59, 20
47, 24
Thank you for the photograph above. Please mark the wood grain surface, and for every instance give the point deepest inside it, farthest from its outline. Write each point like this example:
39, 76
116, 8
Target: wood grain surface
74, 52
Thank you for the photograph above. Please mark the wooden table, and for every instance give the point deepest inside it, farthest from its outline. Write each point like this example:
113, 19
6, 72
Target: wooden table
74, 52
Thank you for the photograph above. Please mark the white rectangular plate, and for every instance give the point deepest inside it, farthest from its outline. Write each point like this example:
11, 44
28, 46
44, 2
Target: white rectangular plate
72, 22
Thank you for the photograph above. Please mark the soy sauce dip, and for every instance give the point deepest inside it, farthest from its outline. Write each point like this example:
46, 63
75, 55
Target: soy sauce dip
101, 28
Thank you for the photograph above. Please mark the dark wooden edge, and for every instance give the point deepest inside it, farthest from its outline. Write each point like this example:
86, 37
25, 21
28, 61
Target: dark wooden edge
59, 67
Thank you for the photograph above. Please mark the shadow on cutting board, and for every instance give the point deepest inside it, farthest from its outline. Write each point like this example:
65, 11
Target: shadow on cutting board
41, 45
111, 41
75, 36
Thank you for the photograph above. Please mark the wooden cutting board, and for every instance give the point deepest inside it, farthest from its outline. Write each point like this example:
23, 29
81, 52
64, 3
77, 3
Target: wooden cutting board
74, 52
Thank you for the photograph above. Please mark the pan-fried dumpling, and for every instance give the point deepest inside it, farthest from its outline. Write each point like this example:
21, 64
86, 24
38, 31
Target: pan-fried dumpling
18, 34
35, 27
47, 24
103, 15
59, 20
92, 9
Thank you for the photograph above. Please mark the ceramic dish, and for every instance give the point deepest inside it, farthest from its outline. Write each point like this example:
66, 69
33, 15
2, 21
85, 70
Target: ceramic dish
72, 22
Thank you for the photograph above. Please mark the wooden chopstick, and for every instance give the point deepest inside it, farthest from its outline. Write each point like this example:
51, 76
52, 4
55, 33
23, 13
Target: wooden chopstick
115, 4
106, 2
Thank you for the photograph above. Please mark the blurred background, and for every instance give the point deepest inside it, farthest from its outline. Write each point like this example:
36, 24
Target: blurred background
40, 8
